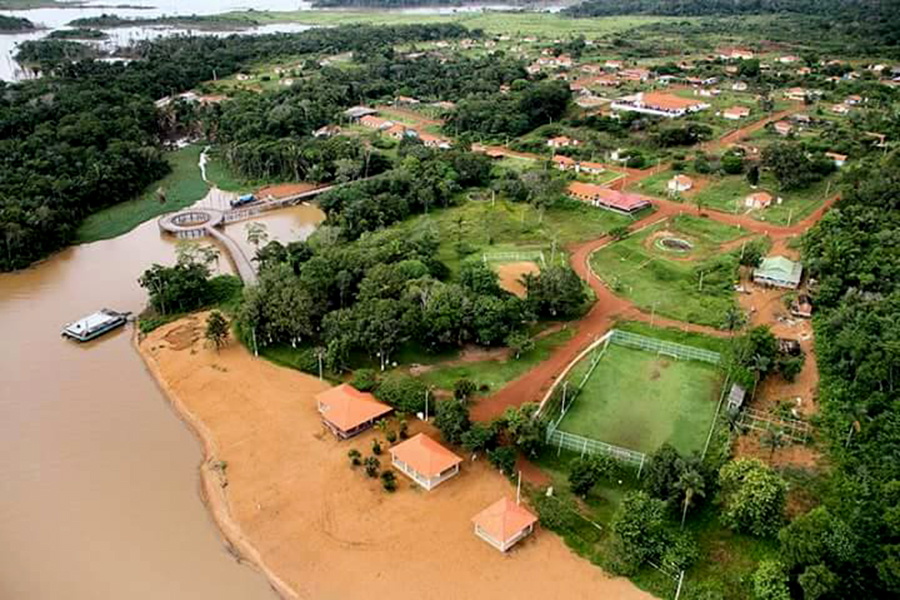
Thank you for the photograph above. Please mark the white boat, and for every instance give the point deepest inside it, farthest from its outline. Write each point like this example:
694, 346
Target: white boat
95, 325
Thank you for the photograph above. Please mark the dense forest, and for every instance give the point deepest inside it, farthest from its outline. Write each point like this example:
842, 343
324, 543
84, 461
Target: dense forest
852, 541
872, 23
8, 23
89, 136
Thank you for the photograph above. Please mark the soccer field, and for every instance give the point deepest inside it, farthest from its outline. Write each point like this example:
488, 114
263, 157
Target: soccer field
638, 400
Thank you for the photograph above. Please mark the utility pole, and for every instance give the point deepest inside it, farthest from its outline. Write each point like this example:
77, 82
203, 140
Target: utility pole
700, 289
680, 581
519, 490
652, 314
428, 389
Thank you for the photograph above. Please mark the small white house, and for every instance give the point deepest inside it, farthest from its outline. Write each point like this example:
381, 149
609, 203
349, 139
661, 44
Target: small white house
503, 524
425, 461
680, 183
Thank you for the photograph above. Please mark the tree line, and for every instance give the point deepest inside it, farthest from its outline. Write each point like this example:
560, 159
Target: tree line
87, 135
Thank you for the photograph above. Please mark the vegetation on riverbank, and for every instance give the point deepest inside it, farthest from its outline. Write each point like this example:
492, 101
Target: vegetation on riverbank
15, 24
224, 22
182, 187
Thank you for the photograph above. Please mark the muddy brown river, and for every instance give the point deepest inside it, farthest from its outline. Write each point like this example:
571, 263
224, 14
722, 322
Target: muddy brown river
99, 477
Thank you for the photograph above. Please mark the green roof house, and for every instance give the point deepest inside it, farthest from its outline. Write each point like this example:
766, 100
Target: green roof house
778, 271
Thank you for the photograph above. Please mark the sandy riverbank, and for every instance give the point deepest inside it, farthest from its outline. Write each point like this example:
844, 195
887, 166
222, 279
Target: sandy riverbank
289, 504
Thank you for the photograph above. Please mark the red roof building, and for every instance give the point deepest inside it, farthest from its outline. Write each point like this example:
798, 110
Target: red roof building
346, 411
503, 524
607, 198
425, 461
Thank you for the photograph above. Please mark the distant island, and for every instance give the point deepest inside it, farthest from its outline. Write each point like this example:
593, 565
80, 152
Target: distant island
17, 24
79, 33
207, 22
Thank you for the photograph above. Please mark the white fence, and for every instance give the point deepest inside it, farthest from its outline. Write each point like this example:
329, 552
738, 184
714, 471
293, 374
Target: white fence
533, 255
649, 344
578, 443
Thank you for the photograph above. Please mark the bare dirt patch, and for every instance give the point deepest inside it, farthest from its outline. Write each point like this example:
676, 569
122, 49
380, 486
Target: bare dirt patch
286, 499
791, 455
184, 336
511, 275
283, 190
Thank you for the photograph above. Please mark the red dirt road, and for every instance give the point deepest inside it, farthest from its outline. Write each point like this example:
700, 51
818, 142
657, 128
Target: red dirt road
533, 385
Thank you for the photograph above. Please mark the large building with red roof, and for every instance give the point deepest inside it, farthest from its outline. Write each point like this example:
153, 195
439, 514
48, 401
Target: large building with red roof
346, 411
659, 104
609, 199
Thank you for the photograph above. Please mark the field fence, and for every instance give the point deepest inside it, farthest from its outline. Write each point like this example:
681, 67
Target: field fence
526, 255
562, 398
578, 443
649, 344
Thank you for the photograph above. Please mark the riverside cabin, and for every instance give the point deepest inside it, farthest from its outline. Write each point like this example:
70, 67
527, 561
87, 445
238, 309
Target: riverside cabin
95, 325
347, 412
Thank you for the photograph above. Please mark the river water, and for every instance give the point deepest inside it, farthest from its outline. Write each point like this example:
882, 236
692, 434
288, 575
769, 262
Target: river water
99, 476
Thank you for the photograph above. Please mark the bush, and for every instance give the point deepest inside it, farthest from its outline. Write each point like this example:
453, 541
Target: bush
452, 419
389, 481
640, 529
404, 393
504, 459
681, 551
355, 457
391, 436
770, 581
479, 437
586, 472
636, 161
404, 429
753, 497
463, 389
376, 448
372, 465
365, 380
555, 513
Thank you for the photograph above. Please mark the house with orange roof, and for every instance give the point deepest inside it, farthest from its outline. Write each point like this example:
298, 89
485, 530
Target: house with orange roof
636, 74
398, 131
680, 183
373, 122
503, 524
758, 200
840, 109
433, 141
798, 94
614, 64
591, 168
607, 199
561, 141
736, 113
425, 461
853, 100
563, 163
735, 53
659, 104
839, 159
347, 412
783, 128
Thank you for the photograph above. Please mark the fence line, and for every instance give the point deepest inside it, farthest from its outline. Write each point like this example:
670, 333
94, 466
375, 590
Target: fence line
675, 350
578, 443
794, 429
508, 256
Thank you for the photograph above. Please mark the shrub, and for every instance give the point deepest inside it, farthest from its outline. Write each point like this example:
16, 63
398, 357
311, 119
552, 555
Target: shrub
555, 513
636, 161
365, 380
770, 581
640, 529
452, 419
372, 465
504, 459
479, 437
463, 389
391, 436
753, 497
405, 394
404, 429
355, 457
376, 448
389, 481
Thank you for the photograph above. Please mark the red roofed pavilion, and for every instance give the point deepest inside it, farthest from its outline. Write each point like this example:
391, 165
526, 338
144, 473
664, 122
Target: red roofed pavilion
346, 411
425, 461
604, 197
503, 523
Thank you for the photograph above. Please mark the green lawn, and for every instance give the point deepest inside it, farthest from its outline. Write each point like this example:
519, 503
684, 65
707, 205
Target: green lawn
637, 400
478, 226
184, 186
495, 373
669, 283
727, 195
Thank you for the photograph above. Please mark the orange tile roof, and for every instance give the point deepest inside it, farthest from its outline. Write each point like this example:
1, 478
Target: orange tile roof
607, 196
504, 519
667, 101
425, 455
347, 408
737, 110
836, 156
592, 165
565, 160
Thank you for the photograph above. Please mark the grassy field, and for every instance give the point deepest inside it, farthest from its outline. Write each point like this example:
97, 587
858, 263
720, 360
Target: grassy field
727, 195
638, 400
184, 186
479, 226
495, 373
524, 23
654, 278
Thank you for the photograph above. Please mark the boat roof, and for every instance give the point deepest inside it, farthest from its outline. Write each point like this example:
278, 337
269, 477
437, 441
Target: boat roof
92, 321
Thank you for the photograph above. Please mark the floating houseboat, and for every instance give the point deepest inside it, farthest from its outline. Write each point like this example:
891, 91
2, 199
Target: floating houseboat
95, 325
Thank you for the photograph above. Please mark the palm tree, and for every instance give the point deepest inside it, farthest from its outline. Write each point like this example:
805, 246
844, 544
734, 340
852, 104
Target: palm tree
734, 319
692, 485
760, 365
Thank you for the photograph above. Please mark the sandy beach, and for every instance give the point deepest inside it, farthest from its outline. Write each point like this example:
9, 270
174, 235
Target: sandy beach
282, 492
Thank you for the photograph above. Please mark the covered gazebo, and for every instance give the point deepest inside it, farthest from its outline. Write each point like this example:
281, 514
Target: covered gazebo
503, 524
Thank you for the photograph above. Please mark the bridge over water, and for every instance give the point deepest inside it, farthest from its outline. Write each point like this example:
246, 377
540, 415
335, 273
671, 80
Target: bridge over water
198, 222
